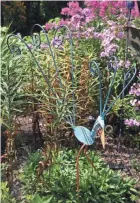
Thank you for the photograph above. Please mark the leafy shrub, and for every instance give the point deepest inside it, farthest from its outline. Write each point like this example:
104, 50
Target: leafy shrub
6, 197
59, 182
11, 84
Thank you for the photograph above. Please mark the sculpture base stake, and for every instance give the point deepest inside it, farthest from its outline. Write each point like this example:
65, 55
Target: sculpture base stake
83, 147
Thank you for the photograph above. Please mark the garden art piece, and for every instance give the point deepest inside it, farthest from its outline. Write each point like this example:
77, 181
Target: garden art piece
83, 134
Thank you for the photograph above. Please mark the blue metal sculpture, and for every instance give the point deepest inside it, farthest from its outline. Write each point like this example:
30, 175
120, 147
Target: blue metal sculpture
83, 134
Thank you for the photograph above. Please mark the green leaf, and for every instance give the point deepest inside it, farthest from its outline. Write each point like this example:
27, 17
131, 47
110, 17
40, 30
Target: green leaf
49, 200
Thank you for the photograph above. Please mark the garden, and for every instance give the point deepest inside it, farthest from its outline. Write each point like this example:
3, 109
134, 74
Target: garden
70, 107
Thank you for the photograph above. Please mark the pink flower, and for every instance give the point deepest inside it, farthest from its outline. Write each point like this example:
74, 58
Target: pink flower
56, 42
131, 122
65, 11
100, 36
103, 54
49, 26
74, 8
111, 22
135, 89
127, 64
88, 14
76, 18
44, 46
96, 35
30, 46
63, 22
121, 63
105, 8
121, 35
133, 102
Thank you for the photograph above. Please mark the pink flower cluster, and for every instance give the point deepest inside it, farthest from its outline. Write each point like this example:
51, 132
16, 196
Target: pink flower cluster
78, 20
57, 42
109, 38
72, 9
106, 8
136, 104
78, 17
109, 47
132, 122
123, 63
77, 13
75, 17
49, 26
43, 46
30, 46
95, 9
135, 89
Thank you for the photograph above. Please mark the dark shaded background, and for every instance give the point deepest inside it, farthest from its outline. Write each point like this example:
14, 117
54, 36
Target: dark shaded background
23, 14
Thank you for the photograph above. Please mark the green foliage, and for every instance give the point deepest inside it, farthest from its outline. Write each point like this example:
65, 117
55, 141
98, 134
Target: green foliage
3, 170
30, 171
6, 197
136, 22
42, 92
37, 199
15, 13
59, 181
136, 165
132, 138
18, 86
11, 83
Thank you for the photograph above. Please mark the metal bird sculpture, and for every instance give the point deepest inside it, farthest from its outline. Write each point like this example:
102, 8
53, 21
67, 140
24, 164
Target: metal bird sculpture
83, 134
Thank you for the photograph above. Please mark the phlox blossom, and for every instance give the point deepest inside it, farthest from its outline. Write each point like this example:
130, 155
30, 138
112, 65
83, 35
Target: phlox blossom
132, 122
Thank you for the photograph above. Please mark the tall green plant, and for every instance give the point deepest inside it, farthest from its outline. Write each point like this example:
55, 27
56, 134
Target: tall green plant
11, 84
5, 194
12, 99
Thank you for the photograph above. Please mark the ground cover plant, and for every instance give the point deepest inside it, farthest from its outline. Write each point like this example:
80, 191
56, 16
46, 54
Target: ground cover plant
58, 181
97, 35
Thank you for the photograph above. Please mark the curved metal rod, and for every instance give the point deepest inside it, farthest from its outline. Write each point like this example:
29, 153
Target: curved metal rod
112, 81
54, 62
89, 159
38, 65
94, 69
109, 129
71, 47
124, 88
110, 64
77, 167
15, 48
36, 37
72, 62
50, 48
